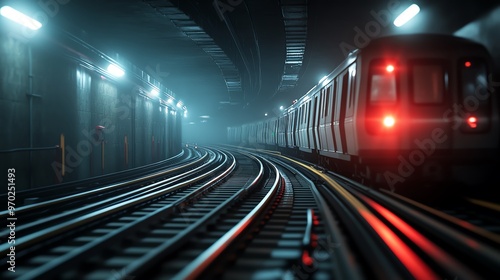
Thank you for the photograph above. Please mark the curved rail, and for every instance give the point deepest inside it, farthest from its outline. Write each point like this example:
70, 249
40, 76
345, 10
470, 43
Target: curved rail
98, 210
209, 256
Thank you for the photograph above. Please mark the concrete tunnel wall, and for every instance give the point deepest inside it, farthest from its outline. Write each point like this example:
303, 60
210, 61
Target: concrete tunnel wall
72, 100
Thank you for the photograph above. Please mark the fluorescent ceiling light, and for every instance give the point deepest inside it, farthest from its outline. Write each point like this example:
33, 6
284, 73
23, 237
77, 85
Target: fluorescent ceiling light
406, 15
20, 18
115, 70
154, 92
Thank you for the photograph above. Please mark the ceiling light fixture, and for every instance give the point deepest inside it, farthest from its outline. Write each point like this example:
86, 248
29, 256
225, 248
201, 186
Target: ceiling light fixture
20, 18
115, 70
407, 15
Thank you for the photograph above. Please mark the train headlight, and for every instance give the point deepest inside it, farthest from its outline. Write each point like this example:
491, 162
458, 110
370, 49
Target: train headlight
389, 121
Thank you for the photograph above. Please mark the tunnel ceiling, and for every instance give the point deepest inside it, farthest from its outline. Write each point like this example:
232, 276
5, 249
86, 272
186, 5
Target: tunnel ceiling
234, 59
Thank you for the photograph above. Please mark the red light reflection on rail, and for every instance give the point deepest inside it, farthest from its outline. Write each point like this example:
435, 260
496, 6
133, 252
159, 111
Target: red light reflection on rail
306, 258
409, 259
413, 234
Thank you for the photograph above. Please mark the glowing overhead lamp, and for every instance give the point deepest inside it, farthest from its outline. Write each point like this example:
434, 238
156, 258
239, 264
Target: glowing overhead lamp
154, 92
20, 18
115, 70
407, 15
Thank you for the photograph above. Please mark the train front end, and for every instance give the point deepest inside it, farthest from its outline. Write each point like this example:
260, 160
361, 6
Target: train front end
430, 111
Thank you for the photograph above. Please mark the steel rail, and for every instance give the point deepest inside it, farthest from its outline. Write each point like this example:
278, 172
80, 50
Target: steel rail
50, 268
81, 195
34, 238
209, 256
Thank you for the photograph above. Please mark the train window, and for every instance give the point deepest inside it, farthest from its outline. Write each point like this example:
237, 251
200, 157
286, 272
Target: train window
382, 109
428, 81
382, 83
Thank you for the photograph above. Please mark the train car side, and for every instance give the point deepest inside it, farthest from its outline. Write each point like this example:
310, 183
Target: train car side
409, 108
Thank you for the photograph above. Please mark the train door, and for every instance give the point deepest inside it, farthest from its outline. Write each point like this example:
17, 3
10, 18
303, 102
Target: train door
315, 125
298, 126
322, 121
285, 130
342, 147
428, 101
291, 129
272, 135
303, 129
306, 124
265, 130
283, 125
309, 124
331, 114
328, 120
259, 133
350, 126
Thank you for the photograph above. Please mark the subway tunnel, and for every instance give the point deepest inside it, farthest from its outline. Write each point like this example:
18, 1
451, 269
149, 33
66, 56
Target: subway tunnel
92, 91
225, 62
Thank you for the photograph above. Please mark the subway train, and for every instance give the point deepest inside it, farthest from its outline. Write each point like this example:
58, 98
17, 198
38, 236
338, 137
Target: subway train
405, 110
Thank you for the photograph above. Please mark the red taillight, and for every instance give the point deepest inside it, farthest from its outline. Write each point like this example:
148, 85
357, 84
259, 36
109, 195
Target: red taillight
468, 64
472, 122
389, 121
389, 68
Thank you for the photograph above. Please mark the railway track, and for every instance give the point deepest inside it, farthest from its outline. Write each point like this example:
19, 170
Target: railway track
240, 214
36, 195
50, 231
146, 228
418, 241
